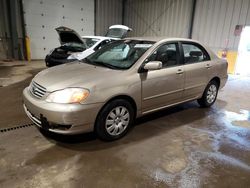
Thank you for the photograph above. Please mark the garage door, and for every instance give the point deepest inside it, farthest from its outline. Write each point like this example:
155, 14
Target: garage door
43, 16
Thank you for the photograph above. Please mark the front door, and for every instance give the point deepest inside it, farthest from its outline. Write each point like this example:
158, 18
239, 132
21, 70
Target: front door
163, 87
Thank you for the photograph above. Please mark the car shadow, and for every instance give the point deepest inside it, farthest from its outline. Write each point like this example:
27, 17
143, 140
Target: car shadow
148, 126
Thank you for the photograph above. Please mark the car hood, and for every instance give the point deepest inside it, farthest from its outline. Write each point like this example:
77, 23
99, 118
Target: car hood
67, 35
76, 74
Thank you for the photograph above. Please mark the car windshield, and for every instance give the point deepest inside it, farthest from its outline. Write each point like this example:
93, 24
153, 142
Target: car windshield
90, 41
120, 54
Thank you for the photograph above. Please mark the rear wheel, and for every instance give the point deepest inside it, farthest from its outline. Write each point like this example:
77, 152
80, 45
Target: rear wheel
210, 94
114, 120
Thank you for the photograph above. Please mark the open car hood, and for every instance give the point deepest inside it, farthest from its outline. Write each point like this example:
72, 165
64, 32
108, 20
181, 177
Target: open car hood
118, 31
67, 35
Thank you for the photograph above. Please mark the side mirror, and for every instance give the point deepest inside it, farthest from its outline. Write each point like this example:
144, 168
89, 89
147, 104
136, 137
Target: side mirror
153, 65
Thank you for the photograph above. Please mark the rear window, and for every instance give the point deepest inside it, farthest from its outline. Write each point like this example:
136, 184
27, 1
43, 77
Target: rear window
116, 33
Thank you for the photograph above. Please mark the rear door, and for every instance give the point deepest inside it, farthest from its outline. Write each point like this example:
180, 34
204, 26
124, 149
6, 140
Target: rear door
196, 68
163, 87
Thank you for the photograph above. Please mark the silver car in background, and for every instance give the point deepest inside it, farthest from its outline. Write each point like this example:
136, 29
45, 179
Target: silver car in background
122, 81
75, 47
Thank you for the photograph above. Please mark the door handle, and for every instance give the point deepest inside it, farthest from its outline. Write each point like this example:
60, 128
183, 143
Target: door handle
179, 71
208, 66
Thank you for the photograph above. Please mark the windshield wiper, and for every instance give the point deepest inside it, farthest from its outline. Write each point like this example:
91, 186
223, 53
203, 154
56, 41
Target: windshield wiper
106, 65
99, 63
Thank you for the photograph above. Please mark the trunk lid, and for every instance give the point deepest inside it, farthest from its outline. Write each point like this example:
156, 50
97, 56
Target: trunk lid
118, 31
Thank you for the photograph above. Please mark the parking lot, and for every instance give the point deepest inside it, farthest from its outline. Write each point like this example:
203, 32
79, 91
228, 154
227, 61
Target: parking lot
183, 146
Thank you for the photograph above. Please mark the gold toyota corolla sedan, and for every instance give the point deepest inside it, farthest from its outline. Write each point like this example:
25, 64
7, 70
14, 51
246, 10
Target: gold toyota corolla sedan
122, 81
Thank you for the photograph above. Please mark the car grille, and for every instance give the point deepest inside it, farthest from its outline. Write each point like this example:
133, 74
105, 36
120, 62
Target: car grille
37, 90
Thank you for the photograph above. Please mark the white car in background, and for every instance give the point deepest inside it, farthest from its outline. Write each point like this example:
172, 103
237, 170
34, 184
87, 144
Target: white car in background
75, 47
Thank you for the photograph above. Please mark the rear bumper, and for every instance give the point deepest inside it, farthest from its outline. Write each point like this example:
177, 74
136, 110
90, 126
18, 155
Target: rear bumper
50, 61
60, 118
223, 81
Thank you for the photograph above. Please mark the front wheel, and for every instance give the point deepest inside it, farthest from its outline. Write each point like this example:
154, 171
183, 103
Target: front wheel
210, 94
47, 64
114, 120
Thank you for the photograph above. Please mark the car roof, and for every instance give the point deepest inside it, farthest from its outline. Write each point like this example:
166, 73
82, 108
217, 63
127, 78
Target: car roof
159, 39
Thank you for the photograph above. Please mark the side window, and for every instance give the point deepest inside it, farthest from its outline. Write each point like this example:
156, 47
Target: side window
194, 54
167, 54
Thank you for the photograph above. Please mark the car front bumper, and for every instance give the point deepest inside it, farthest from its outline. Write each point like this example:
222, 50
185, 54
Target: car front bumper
60, 118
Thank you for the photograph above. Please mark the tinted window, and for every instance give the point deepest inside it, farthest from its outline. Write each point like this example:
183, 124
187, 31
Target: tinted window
167, 54
193, 53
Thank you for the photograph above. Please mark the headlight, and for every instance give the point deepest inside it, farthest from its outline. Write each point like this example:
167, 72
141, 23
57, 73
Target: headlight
71, 57
69, 95
77, 56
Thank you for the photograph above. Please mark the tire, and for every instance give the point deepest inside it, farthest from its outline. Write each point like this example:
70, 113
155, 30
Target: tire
114, 120
210, 94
